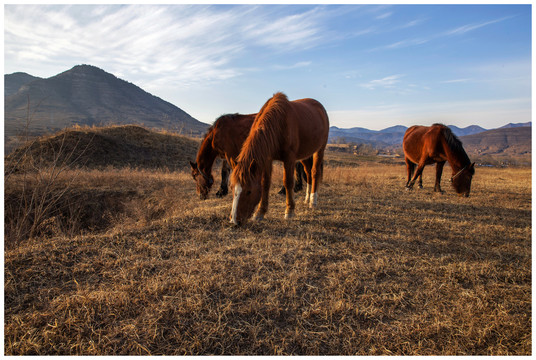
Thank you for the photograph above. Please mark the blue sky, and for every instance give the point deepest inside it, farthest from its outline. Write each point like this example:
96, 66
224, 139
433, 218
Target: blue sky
371, 66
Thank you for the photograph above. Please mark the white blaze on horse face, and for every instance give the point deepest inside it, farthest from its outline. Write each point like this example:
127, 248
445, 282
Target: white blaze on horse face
237, 192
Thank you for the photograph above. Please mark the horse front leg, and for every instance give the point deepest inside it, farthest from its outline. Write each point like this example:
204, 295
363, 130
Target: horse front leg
265, 192
439, 172
289, 185
224, 185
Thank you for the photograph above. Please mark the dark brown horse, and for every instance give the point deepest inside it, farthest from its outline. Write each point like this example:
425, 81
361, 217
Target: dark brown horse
425, 145
224, 140
283, 130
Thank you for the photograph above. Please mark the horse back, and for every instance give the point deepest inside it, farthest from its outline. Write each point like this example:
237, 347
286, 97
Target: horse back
229, 133
308, 125
424, 143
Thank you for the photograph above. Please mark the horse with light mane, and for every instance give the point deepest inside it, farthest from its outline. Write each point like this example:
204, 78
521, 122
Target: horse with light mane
224, 139
283, 130
425, 145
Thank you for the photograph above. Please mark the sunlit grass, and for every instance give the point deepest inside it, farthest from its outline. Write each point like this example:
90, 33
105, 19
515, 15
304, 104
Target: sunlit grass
374, 270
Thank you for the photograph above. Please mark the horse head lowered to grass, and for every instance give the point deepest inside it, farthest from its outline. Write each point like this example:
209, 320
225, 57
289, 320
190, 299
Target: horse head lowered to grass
283, 130
224, 139
425, 145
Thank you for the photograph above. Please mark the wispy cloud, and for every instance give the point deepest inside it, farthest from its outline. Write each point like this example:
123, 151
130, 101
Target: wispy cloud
384, 15
412, 42
183, 43
455, 81
460, 30
297, 65
387, 82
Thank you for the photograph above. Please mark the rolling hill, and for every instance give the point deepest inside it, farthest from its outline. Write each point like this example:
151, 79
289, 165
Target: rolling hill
503, 141
125, 146
86, 95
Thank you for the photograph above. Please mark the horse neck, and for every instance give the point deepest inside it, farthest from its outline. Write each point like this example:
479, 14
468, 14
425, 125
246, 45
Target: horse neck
264, 139
457, 158
206, 155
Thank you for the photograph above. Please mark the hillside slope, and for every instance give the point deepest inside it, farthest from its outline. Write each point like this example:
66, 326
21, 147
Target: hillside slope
87, 95
506, 140
117, 146
13, 82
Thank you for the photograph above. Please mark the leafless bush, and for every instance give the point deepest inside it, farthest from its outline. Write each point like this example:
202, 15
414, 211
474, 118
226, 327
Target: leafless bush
33, 195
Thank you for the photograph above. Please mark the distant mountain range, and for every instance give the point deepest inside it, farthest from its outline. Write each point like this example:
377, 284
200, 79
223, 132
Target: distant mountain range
86, 95
393, 135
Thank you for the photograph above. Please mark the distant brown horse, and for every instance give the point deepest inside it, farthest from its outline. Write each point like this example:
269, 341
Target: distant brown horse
283, 130
224, 140
425, 145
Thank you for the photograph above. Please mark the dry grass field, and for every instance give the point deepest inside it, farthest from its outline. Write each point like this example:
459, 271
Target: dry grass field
132, 262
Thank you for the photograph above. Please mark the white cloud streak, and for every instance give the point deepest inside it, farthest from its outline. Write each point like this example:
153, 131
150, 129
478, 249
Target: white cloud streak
458, 31
387, 82
184, 44
470, 27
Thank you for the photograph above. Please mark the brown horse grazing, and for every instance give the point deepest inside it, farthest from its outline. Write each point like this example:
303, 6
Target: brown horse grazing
224, 139
283, 130
425, 145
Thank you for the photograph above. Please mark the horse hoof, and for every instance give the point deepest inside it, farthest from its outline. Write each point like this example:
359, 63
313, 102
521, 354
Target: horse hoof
289, 216
259, 217
408, 188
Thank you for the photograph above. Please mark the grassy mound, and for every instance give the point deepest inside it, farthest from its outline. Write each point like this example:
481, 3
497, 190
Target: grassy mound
127, 146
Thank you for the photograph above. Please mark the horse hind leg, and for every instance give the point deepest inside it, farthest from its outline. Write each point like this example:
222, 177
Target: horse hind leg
410, 168
307, 167
289, 185
316, 175
418, 173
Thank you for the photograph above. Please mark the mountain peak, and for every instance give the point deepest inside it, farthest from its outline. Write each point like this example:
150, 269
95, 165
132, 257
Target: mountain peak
88, 95
84, 71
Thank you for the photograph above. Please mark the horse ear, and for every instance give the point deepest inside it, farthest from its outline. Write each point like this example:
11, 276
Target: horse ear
193, 165
472, 166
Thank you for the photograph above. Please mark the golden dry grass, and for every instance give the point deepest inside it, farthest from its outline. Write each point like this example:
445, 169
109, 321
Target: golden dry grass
375, 270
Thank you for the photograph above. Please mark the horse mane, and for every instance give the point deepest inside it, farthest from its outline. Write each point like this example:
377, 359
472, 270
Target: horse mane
454, 143
263, 139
